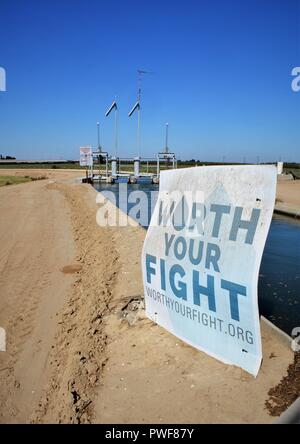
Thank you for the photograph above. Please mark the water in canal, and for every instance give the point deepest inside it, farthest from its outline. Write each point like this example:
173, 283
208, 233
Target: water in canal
279, 277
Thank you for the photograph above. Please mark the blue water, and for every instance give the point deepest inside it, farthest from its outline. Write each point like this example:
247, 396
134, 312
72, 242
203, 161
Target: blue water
279, 277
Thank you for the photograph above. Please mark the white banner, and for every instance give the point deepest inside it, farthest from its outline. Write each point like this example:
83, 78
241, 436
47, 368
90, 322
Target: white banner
202, 254
86, 156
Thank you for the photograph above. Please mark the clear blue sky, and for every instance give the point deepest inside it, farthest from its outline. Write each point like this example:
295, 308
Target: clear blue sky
221, 76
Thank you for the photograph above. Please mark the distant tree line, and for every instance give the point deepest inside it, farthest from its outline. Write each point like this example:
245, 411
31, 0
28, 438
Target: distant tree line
7, 157
291, 165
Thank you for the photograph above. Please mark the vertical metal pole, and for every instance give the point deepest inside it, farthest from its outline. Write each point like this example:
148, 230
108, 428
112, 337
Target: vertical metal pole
116, 132
114, 167
166, 147
138, 133
99, 147
98, 134
92, 169
157, 170
106, 165
167, 136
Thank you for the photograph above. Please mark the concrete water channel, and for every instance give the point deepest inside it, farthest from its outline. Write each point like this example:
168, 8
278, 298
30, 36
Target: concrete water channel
279, 277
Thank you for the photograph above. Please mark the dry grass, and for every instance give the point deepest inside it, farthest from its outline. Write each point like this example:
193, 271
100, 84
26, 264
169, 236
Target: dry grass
15, 180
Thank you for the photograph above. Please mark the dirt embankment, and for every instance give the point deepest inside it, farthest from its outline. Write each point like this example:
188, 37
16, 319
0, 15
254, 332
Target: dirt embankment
288, 197
79, 346
287, 391
78, 354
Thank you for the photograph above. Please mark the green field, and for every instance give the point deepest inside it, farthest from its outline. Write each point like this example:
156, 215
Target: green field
151, 168
54, 166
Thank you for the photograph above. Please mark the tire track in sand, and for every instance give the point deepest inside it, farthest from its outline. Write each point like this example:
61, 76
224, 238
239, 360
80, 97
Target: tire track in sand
78, 354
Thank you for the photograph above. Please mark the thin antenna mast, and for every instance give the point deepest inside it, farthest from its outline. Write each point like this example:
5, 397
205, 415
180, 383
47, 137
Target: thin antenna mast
137, 107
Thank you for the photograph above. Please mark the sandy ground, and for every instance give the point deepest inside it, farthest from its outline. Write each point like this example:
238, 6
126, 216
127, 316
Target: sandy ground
79, 347
288, 196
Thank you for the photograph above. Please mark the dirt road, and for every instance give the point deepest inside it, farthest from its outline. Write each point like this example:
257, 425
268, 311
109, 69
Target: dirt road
36, 242
79, 346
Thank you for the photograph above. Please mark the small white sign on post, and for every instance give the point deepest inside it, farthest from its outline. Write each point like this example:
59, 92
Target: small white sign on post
202, 254
86, 156
279, 167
